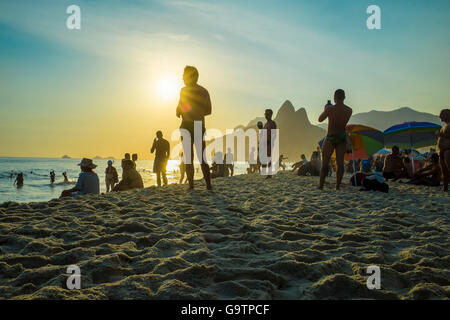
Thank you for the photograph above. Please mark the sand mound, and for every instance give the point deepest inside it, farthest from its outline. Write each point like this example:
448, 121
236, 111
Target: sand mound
249, 239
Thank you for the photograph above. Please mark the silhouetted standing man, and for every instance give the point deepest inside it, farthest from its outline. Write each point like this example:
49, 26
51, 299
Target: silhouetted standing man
162, 147
269, 126
338, 117
194, 105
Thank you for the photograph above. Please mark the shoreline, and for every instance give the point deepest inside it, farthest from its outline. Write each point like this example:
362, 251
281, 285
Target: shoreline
249, 238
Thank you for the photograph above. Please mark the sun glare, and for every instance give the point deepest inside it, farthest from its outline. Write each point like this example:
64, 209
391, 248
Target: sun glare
169, 87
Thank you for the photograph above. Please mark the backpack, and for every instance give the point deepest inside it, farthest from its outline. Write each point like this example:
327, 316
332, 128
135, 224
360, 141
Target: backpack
370, 184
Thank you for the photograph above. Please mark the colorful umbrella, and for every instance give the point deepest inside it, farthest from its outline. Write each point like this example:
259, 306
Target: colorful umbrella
366, 141
411, 135
383, 151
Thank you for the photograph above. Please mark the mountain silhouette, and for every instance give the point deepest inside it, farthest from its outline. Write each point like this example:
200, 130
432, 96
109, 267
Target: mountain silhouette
297, 134
382, 120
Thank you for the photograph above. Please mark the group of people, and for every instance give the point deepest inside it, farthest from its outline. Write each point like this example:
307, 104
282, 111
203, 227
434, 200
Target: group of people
195, 104
89, 182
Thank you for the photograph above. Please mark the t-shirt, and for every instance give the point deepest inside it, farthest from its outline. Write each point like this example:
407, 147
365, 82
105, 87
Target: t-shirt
88, 183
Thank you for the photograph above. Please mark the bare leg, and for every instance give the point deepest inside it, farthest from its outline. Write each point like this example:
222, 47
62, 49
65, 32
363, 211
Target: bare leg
158, 178
340, 153
327, 151
444, 161
164, 177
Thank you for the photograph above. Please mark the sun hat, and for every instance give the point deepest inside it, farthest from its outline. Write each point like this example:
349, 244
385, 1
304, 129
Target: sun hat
87, 163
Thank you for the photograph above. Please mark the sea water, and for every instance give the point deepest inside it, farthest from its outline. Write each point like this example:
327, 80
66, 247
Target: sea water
36, 172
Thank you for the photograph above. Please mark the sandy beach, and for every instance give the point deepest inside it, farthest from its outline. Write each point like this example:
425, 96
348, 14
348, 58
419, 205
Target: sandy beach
250, 238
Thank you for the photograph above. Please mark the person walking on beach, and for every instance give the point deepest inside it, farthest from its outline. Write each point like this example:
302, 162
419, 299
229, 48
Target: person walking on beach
444, 147
270, 124
88, 181
111, 176
52, 177
19, 180
194, 105
162, 147
338, 116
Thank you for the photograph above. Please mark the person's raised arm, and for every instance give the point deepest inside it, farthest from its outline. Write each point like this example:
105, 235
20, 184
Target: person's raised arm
323, 116
153, 147
168, 150
178, 111
208, 106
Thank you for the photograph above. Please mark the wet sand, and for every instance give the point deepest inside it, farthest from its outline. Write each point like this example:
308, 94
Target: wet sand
251, 238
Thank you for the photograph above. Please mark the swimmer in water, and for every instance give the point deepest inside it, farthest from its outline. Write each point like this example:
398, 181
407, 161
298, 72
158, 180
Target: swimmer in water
19, 180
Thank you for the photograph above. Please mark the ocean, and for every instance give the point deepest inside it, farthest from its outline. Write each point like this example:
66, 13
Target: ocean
36, 171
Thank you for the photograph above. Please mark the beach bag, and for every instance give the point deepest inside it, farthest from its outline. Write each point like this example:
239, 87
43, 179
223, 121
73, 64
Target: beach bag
371, 183
359, 178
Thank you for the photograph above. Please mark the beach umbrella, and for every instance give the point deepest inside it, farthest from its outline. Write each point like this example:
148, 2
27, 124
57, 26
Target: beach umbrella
411, 135
382, 152
366, 141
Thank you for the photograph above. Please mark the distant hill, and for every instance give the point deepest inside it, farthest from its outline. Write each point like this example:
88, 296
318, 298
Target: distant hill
297, 134
65, 157
382, 120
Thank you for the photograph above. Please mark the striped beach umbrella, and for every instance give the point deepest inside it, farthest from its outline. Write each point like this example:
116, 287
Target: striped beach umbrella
411, 135
366, 141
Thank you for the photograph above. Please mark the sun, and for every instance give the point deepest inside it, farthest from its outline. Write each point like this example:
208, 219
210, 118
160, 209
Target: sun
168, 87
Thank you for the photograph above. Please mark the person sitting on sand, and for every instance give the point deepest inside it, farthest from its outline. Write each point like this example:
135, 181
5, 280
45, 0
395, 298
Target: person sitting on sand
379, 164
217, 166
444, 146
88, 181
111, 176
131, 178
300, 163
430, 175
162, 147
393, 165
19, 180
336, 139
66, 180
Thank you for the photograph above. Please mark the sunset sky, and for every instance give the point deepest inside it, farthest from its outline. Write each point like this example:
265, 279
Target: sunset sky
105, 89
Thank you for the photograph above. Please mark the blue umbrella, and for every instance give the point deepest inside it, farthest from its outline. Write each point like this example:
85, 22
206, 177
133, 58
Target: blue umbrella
411, 135
383, 151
